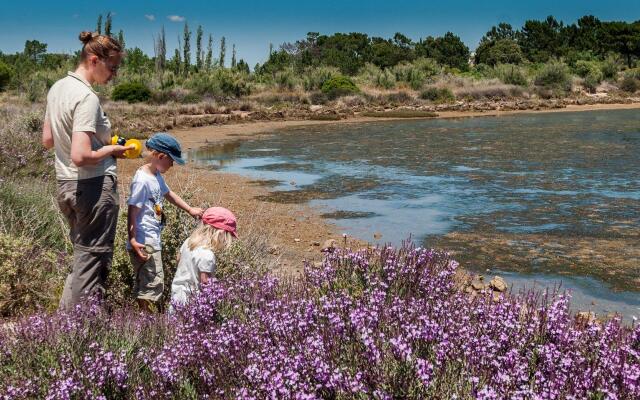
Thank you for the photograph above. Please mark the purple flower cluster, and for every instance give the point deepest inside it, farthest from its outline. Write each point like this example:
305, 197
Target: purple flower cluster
378, 323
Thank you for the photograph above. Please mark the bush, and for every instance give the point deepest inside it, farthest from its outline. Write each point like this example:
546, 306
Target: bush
6, 74
554, 76
609, 68
132, 92
318, 98
339, 86
314, 78
511, 75
220, 82
31, 276
584, 68
21, 154
592, 80
629, 84
286, 79
386, 79
438, 95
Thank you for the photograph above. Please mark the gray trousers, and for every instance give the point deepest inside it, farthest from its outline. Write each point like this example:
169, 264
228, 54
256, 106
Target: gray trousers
91, 208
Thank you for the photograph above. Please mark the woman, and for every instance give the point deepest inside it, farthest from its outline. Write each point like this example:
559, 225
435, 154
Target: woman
80, 131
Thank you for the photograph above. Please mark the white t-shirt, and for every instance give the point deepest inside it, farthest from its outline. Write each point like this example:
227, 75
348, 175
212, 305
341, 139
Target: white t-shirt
147, 193
186, 282
73, 106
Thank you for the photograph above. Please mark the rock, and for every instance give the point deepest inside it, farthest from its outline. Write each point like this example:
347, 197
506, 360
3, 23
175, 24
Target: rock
296, 240
498, 284
377, 235
585, 317
315, 107
477, 284
495, 297
328, 245
315, 243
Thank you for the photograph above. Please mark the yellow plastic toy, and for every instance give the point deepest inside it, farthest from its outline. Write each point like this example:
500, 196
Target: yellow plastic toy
131, 153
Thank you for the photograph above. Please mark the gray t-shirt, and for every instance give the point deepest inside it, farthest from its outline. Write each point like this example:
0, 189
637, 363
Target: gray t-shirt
73, 106
147, 193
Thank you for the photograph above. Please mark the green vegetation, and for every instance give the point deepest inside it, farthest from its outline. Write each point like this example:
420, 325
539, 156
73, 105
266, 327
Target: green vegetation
438, 95
132, 92
339, 85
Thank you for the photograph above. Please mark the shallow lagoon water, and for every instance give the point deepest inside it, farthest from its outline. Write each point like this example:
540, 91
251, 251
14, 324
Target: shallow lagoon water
547, 195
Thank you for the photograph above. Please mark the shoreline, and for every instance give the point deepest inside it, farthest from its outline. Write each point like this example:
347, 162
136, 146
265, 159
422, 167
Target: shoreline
195, 137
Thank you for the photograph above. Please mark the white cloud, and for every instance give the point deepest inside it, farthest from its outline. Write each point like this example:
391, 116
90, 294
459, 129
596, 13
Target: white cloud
176, 18
150, 17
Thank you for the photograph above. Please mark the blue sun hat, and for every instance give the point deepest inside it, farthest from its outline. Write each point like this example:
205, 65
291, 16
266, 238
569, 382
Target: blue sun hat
167, 144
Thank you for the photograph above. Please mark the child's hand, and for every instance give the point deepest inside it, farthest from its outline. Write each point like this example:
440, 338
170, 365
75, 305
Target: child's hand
139, 249
196, 212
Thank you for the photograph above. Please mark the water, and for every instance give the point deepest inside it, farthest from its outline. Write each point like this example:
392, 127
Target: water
544, 197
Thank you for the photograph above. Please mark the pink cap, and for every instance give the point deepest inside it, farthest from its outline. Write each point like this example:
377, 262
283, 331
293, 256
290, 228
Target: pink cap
221, 218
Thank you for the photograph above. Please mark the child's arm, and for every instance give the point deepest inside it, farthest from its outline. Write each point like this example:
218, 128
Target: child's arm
131, 223
204, 277
177, 201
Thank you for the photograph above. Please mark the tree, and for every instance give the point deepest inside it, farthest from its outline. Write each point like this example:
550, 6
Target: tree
34, 50
242, 66
209, 60
121, 39
176, 62
160, 48
623, 38
107, 25
199, 52
99, 25
137, 61
503, 51
233, 56
541, 40
447, 50
223, 49
186, 49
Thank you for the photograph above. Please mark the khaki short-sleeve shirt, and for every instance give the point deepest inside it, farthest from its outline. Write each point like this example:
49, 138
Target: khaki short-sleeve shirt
73, 106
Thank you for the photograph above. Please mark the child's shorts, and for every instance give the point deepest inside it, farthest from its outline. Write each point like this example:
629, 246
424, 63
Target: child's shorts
149, 276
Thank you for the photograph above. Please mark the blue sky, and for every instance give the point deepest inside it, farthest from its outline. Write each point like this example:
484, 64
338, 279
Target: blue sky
252, 25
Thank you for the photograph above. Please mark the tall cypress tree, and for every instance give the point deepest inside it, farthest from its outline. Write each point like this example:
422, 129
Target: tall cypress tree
186, 49
99, 25
107, 24
199, 52
121, 39
233, 56
209, 60
223, 50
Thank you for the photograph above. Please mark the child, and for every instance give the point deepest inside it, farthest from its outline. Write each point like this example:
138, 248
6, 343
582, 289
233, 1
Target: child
197, 261
146, 217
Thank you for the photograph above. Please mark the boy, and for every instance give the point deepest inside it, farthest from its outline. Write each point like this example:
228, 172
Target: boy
146, 218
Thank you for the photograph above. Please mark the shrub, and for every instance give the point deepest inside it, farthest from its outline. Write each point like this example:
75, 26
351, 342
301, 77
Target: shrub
314, 78
339, 86
610, 68
386, 79
21, 154
398, 98
318, 98
131, 92
6, 74
554, 76
31, 276
438, 95
584, 68
511, 74
286, 79
629, 84
592, 80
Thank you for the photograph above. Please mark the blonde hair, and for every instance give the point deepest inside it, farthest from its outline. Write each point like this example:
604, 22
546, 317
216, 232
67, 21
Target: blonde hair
210, 238
102, 46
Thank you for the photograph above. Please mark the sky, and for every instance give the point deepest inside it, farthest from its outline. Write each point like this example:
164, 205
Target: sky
253, 25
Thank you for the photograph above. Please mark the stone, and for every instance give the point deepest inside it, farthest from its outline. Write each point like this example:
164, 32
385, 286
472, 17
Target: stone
377, 235
498, 284
477, 284
585, 317
296, 240
315, 243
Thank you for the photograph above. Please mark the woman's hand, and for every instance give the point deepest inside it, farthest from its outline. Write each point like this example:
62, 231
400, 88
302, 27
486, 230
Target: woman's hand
118, 151
139, 250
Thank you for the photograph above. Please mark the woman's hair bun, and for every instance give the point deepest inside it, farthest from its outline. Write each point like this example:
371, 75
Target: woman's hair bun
86, 36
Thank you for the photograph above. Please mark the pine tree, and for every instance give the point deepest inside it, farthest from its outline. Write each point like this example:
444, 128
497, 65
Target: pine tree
161, 52
209, 60
199, 52
176, 62
270, 49
223, 50
99, 25
107, 25
121, 39
186, 49
233, 56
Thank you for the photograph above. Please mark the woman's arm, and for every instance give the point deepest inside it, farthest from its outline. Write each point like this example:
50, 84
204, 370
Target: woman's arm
177, 201
47, 135
82, 155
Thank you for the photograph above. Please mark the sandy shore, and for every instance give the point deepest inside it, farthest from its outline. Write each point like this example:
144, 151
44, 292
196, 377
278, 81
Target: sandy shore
296, 232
